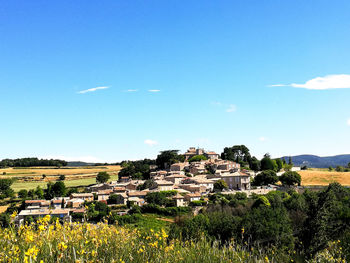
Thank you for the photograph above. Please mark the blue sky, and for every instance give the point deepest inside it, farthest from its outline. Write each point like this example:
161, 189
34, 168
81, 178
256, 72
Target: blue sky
173, 74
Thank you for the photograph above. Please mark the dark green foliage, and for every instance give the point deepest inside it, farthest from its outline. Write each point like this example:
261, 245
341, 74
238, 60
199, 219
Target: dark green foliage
102, 177
197, 158
57, 189
39, 192
28, 162
148, 184
238, 153
290, 162
198, 203
268, 164
220, 185
329, 217
97, 211
255, 164
135, 170
267, 225
169, 157
166, 211
5, 220
62, 177
161, 198
23, 194
115, 199
265, 177
290, 178
5, 188
279, 164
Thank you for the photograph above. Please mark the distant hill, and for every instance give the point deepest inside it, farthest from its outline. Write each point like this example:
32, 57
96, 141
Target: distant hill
320, 162
79, 163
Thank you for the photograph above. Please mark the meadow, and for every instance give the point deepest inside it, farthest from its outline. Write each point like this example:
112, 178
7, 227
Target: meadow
31, 177
323, 177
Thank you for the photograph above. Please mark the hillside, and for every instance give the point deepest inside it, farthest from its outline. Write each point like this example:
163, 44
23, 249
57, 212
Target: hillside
320, 162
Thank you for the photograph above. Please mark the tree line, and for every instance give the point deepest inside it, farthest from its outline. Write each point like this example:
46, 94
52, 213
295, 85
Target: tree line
30, 162
304, 223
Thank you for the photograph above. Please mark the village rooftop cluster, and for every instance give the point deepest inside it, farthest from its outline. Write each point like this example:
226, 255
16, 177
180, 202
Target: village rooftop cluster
191, 180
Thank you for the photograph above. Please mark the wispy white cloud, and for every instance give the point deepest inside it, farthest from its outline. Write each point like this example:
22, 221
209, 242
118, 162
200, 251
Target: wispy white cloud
348, 122
231, 108
150, 142
92, 90
262, 139
339, 81
153, 90
131, 90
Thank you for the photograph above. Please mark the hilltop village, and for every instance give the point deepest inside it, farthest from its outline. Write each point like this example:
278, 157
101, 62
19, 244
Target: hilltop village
189, 182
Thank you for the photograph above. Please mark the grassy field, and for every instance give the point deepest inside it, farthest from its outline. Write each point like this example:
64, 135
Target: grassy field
30, 178
323, 177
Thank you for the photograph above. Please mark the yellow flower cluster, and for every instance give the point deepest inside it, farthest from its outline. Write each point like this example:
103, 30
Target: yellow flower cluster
83, 242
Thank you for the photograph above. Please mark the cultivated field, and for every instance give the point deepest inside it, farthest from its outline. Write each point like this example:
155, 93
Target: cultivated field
30, 178
323, 177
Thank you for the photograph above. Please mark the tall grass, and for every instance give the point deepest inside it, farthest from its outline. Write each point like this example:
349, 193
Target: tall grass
75, 242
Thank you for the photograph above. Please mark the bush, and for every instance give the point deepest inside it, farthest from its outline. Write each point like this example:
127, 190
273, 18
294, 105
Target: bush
168, 211
198, 203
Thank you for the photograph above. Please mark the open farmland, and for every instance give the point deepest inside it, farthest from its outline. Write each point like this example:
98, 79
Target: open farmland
31, 177
323, 177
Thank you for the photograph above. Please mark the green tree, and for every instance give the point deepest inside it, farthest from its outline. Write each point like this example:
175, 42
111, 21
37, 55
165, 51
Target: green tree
290, 178
290, 162
148, 184
102, 177
62, 177
220, 185
255, 164
268, 164
5, 188
57, 189
167, 158
115, 199
197, 158
265, 177
237, 153
39, 192
23, 194
279, 164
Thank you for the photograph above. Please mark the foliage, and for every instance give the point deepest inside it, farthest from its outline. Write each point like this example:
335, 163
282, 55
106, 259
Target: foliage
53, 242
148, 184
5, 188
169, 157
135, 170
255, 164
23, 194
197, 158
220, 185
166, 211
29, 162
57, 189
102, 177
161, 198
265, 177
268, 164
290, 178
62, 177
237, 153
115, 199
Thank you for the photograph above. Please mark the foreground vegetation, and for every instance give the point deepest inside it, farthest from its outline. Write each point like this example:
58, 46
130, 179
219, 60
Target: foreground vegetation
50, 241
